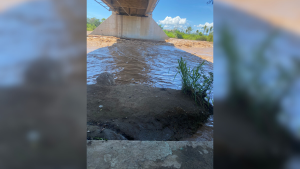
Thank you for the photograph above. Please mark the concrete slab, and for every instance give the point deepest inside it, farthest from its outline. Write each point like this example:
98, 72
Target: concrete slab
134, 27
117, 154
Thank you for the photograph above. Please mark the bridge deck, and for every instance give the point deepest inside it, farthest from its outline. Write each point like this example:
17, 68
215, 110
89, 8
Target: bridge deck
132, 7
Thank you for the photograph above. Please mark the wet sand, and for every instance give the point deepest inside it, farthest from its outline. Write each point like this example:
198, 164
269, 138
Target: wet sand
140, 112
148, 63
202, 49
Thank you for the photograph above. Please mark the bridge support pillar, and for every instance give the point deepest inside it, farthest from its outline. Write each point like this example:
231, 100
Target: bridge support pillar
133, 27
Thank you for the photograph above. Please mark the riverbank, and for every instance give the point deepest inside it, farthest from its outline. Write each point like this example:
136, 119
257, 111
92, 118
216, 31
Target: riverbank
141, 112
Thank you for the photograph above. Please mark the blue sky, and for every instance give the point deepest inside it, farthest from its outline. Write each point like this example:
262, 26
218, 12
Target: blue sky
180, 13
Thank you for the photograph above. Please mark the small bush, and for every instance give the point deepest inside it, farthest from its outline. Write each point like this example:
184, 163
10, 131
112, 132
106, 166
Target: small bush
179, 36
195, 82
191, 36
90, 27
202, 38
170, 34
210, 37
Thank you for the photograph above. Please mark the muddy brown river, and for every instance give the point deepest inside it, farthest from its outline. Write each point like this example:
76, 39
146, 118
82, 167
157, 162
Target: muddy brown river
148, 63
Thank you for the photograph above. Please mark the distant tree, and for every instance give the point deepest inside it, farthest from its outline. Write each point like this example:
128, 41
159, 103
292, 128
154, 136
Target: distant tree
204, 28
93, 21
207, 30
90, 27
189, 29
210, 2
200, 33
197, 31
161, 26
210, 29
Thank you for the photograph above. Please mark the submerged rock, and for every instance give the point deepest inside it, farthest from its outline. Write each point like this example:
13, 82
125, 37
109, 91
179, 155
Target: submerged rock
105, 79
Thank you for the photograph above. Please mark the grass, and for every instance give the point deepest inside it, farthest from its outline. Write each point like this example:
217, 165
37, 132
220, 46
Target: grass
193, 36
98, 138
195, 83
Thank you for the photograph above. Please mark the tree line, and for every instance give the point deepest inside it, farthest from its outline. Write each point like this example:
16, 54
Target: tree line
206, 30
93, 23
205, 35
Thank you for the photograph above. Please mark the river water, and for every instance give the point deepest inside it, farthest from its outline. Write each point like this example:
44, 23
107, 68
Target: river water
142, 62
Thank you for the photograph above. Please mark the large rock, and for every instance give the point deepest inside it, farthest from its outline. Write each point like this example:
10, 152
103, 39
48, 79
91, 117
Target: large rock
95, 132
105, 79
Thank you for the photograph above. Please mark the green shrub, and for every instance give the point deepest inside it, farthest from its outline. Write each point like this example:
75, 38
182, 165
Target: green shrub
202, 38
191, 78
210, 37
195, 82
90, 27
191, 36
170, 34
179, 36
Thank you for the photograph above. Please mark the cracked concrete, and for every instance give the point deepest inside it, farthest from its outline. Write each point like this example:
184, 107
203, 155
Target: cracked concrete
117, 154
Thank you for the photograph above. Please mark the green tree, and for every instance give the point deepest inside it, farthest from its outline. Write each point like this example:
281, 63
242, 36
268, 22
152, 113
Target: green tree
197, 31
207, 30
161, 26
93, 21
204, 28
90, 27
189, 29
210, 29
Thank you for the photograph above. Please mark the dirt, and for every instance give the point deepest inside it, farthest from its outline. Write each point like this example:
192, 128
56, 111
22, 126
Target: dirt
189, 43
140, 112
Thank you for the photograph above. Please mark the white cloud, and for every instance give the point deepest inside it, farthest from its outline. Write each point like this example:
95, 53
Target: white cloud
207, 24
173, 21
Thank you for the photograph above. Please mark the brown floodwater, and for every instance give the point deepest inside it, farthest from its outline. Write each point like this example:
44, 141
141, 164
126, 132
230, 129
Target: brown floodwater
148, 63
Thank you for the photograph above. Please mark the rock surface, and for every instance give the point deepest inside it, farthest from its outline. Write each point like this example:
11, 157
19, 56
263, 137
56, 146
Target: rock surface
95, 132
105, 79
149, 154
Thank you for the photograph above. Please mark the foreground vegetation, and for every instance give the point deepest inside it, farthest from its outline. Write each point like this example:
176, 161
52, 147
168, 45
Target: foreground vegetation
195, 83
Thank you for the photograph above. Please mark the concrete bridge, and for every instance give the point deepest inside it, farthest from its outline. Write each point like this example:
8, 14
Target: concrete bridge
130, 19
